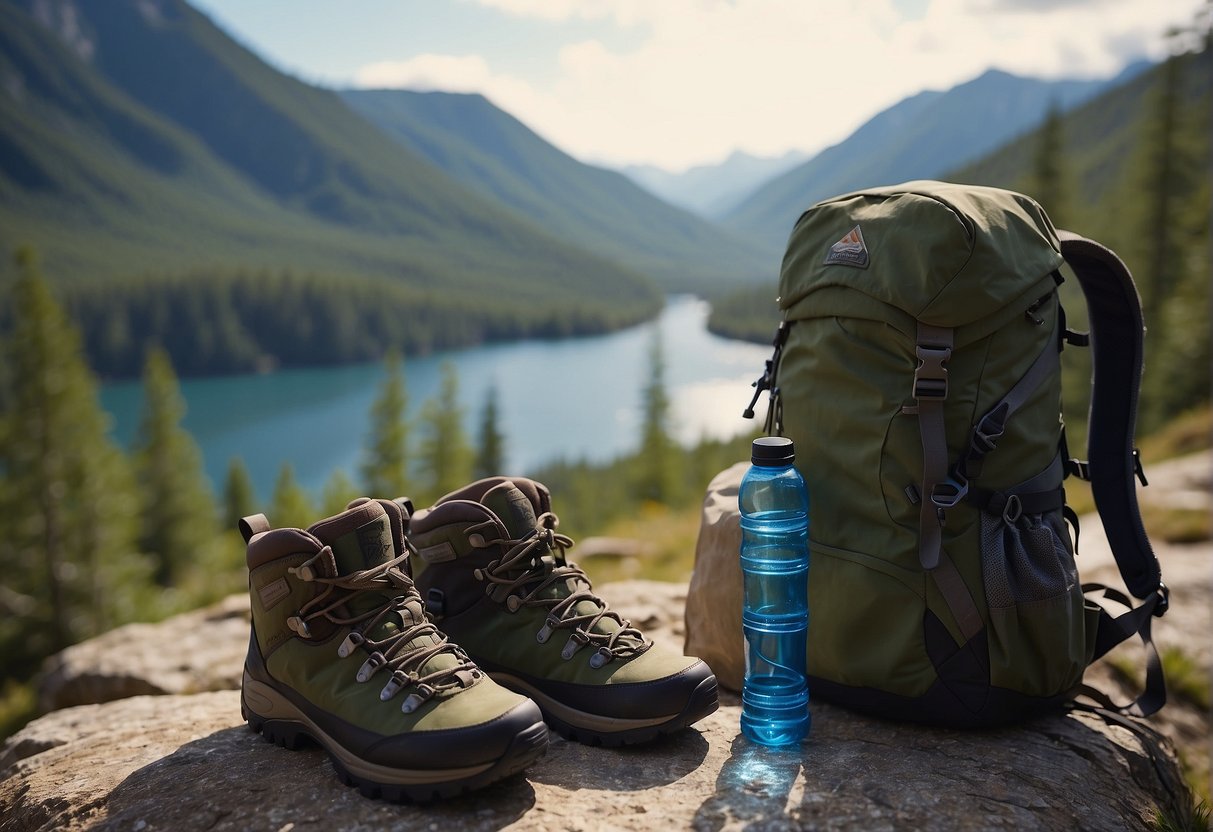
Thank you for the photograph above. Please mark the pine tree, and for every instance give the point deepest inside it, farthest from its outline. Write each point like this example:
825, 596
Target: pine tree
339, 489
178, 516
1178, 273
444, 455
290, 507
385, 464
490, 454
1049, 179
239, 499
1159, 221
67, 548
656, 463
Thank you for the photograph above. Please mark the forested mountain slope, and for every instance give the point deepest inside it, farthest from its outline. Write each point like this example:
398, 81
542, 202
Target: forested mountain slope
160, 169
494, 153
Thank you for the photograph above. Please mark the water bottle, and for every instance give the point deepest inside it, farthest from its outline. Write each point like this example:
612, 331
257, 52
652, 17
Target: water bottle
775, 619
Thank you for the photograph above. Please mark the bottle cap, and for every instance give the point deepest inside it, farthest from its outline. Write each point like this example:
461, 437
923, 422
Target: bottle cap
772, 451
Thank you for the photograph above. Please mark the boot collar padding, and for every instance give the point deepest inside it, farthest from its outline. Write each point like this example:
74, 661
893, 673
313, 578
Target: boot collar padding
536, 492
280, 543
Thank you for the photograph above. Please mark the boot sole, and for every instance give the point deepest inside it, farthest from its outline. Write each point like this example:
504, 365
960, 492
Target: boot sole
598, 730
279, 721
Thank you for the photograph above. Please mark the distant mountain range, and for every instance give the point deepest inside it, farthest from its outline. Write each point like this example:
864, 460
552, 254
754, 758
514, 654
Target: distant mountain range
922, 137
498, 156
151, 159
138, 137
713, 190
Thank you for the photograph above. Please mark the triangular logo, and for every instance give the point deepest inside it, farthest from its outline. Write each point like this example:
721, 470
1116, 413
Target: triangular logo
849, 251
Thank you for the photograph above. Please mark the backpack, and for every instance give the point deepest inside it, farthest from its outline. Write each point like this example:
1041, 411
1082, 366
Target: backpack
917, 369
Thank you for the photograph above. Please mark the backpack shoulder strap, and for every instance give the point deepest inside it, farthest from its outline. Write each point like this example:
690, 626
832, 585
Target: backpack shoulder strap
1117, 328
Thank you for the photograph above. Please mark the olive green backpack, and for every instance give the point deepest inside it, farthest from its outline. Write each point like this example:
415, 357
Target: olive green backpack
917, 369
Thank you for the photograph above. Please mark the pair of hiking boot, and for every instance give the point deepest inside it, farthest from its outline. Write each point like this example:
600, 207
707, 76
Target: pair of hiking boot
429, 652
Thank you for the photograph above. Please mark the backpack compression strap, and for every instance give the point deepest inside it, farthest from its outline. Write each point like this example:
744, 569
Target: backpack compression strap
1116, 343
934, 350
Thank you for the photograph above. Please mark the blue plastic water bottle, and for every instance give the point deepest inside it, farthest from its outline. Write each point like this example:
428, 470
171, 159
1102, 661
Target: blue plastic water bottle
775, 619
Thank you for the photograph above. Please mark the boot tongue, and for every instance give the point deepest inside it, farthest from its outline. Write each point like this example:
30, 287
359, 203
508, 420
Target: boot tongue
360, 537
512, 508
517, 513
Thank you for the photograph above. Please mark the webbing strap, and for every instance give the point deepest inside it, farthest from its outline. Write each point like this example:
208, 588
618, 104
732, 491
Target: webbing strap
934, 349
956, 594
1112, 630
1116, 340
990, 428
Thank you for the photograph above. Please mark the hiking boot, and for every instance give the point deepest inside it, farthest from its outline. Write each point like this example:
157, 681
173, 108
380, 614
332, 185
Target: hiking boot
343, 654
493, 571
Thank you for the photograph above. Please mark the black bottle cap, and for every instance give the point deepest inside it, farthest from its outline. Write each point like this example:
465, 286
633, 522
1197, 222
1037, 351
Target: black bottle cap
772, 451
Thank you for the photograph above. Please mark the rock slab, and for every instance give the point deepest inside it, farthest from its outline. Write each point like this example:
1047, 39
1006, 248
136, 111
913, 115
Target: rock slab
184, 760
187, 762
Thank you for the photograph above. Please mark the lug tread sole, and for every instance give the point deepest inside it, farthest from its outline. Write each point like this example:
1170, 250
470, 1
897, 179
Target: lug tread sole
526, 747
702, 702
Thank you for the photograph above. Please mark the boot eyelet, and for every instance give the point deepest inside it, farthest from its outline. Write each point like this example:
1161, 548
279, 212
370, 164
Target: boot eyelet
513, 603
299, 626
476, 541
416, 699
601, 656
350, 644
545, 632
369, 667
303, 572
389, 690
576, 641
478, 574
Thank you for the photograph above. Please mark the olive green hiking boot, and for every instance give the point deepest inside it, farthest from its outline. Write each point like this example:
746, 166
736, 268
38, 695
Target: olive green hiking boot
492, 569
343, 654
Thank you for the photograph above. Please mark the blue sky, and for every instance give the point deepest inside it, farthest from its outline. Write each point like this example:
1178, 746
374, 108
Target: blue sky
683, 82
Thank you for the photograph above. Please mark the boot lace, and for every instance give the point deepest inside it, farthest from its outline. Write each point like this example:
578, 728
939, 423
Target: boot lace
404, 660
535, 562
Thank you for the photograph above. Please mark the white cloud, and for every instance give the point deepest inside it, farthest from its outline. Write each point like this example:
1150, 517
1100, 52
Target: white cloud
764, 76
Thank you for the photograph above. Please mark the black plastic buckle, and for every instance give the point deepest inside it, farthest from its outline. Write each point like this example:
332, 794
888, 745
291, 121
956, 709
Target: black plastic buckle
1164, 600
947, 494
988, 431
931, 375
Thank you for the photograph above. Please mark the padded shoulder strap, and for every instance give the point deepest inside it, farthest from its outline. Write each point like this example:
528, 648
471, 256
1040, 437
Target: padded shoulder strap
1116, 340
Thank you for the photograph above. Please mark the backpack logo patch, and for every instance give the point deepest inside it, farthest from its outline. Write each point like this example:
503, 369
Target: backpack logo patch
849, 251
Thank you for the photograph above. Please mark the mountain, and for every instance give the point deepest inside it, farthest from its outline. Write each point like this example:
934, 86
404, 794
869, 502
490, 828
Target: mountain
1108, 184
922, 137
603, 211
713, 190
139, 144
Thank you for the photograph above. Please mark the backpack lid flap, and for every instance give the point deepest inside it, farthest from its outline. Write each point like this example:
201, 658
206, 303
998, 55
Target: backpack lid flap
947, 255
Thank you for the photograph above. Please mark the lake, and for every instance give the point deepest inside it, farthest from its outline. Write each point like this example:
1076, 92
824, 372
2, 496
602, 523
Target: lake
578, 398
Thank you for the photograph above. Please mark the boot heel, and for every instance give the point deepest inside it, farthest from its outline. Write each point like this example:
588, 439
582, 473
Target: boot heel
288, 735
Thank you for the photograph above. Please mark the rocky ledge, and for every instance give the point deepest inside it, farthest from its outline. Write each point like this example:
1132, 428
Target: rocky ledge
182, 759
143, 732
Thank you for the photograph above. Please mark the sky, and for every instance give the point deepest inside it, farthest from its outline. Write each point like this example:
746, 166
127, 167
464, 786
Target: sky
676, 83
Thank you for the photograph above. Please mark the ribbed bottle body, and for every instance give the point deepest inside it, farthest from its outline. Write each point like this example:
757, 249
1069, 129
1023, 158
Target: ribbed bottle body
775, 567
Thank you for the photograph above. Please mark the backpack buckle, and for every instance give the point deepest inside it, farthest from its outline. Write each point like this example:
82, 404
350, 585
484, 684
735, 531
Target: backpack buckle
1164, 600
946, 494
931, 375
988, 431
